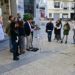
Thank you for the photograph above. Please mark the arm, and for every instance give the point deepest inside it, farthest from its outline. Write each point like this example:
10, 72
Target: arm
59, 27
46, 27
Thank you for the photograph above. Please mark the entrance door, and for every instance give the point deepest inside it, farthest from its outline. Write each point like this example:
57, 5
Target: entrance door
72, 16
56, 16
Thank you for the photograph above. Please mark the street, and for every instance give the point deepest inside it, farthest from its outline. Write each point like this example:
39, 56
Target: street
53, 58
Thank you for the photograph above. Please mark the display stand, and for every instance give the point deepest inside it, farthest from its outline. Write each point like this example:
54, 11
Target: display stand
36, 39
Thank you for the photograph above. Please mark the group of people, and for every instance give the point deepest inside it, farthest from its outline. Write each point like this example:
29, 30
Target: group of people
57, 31
17, 29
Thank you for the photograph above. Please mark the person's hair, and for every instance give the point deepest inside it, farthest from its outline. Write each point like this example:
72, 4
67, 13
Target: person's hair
10, 17
67, 24
20, 23
57, 23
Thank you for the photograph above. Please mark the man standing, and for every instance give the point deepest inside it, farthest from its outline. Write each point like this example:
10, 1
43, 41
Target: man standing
49, 29
28, 30
14, 38
66, 30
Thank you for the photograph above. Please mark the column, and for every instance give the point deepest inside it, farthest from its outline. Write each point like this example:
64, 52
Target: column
13, 6
8, 7
5, 11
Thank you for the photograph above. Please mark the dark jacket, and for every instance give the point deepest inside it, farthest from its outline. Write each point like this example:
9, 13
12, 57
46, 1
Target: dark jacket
57, 29
27, 29
13, 32
49, 26
21, 31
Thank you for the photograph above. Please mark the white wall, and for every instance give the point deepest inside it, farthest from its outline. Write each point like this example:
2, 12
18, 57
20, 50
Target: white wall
50, 4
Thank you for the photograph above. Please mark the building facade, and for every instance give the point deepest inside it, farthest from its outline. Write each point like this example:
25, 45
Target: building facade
6, 6
63, 9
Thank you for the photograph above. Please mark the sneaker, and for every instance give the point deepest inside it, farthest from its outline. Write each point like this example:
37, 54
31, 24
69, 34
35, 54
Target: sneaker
61, 41
16, 59
65, 42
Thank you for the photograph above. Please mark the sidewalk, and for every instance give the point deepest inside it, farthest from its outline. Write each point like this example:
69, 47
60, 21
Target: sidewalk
5, 38
4, 43
52, 59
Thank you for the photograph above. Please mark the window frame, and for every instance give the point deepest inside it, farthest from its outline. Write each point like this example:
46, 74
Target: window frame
56, 4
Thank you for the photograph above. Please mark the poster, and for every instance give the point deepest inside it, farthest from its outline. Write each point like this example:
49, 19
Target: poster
1, 30
42, 12
20, 7
1, 33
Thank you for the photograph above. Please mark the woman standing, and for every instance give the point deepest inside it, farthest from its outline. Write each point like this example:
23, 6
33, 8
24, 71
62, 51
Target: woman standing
21, 33
57, 31
66, 30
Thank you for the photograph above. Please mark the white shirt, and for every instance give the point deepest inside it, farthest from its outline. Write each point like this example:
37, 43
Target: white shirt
30, 27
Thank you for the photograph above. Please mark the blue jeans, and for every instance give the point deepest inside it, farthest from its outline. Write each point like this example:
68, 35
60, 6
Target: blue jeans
14, 47
49, 36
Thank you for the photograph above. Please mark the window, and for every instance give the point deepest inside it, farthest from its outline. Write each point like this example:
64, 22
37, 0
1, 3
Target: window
56, 4
65, 6
56, 16
72, 6
65, 15
50, 15
29, 6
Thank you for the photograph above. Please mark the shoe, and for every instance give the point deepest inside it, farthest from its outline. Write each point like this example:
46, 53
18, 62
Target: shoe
65, 42
16, 59
49, 40
61, 41
35, 49
22, 52
28, 49
18, 54
31, 48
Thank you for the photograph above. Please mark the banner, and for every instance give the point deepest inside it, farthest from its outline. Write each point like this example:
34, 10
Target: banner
20, 7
